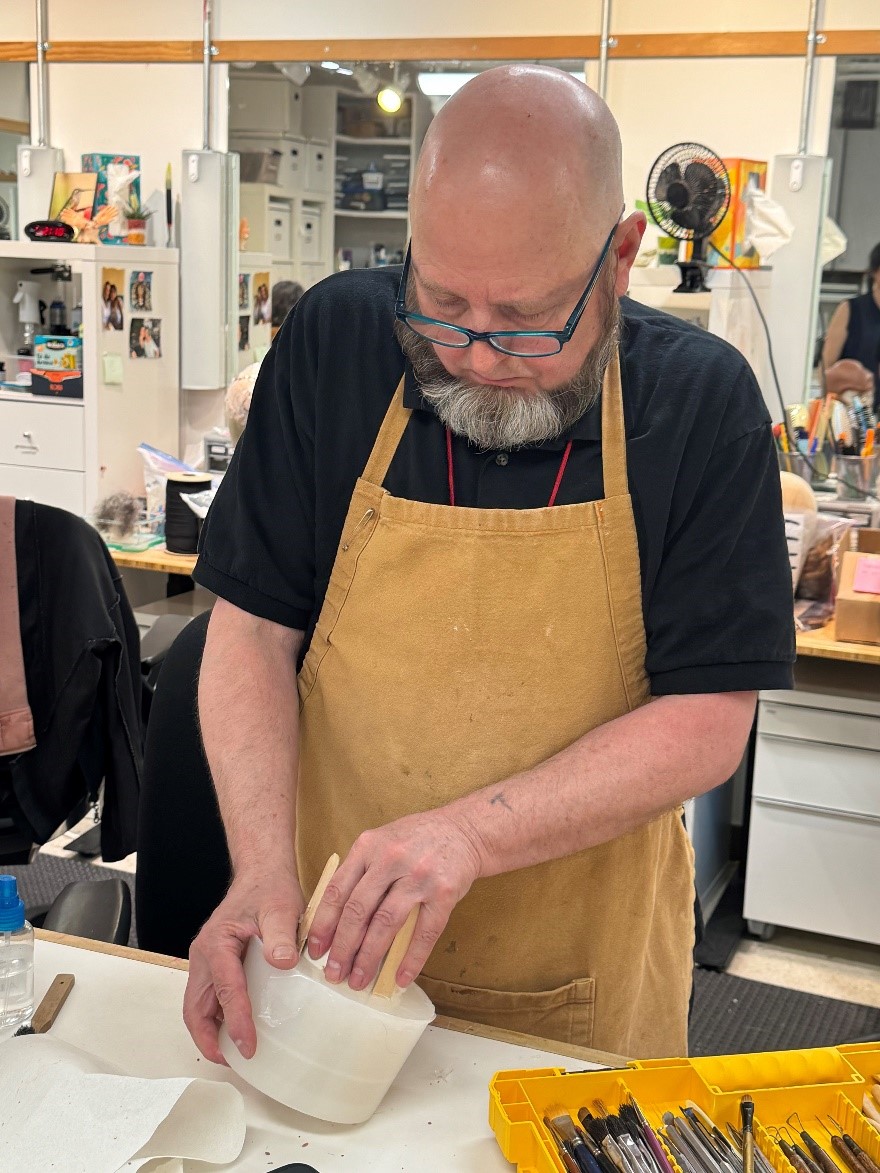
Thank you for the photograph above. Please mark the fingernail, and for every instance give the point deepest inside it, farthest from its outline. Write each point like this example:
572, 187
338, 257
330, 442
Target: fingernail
407, 979
332, 971
316, 948
356, 981
283, 952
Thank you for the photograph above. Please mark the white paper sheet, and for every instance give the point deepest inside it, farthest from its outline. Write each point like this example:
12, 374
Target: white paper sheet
60, 1100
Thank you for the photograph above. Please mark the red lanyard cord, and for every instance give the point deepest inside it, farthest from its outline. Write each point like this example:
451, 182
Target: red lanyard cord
450, 468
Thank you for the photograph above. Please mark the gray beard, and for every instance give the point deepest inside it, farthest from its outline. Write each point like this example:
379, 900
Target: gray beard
502, 417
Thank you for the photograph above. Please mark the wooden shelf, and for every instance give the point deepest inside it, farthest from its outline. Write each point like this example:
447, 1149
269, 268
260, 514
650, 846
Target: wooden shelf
386, 215
352, 140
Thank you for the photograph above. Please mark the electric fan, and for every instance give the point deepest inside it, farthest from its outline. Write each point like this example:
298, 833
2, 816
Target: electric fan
688, 197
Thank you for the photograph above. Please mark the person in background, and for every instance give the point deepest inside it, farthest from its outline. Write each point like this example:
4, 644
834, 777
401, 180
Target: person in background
851, 354
238, 399
285, 295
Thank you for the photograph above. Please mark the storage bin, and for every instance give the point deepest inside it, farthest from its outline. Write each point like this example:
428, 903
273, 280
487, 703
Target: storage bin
319, 172
259, 166
310, 235
280, 242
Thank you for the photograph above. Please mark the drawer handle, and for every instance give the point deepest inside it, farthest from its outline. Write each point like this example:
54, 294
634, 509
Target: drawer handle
810, 808
815, 741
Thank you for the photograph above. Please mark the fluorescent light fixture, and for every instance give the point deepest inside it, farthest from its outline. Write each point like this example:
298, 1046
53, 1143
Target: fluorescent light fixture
329, 64
390, 98
343, 72
444, 85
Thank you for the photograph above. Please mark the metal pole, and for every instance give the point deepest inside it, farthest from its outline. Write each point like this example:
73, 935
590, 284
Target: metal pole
207, 53
605, 42
41, 73
807, 102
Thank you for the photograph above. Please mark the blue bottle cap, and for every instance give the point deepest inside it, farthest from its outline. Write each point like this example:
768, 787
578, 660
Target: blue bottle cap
11, 905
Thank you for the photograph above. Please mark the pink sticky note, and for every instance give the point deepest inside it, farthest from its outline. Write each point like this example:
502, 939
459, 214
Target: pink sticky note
867, 576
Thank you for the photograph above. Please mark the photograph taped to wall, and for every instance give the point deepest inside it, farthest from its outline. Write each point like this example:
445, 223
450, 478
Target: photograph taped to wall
244, 331
112, 304
140, 292
145, 338
262, 300
244, 285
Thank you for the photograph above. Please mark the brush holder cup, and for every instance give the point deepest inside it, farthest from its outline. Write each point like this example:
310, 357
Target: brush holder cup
323, 1049
857, 477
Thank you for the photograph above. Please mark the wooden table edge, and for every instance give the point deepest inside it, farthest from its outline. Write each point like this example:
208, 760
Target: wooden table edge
823, 644
495, 1034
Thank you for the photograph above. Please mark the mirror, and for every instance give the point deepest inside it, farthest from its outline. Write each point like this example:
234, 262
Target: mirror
14, 129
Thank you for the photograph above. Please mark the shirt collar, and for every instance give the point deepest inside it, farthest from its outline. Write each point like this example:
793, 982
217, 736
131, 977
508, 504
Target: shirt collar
584, 430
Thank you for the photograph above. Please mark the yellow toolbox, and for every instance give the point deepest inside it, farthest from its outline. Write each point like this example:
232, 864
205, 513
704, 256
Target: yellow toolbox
817, 1084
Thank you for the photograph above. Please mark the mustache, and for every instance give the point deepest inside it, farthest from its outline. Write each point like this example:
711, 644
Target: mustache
505, 418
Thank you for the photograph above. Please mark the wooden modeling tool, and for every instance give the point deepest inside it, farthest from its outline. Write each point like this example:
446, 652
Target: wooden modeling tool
305, 921
386, 982
50, 1005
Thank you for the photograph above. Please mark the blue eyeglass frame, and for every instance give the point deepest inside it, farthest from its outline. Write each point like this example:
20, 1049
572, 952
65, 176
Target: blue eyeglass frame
561, 336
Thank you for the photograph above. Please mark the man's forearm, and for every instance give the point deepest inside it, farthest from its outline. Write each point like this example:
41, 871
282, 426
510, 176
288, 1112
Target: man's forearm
249, 713
608, 782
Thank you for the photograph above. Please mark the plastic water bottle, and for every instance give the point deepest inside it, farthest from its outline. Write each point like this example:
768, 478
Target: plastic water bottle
16, 960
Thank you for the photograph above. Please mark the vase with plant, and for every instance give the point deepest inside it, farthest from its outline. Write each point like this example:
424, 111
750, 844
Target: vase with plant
136, 216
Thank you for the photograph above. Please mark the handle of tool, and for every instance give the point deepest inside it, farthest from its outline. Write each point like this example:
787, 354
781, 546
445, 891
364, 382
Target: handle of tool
305, 921
51, 1003
656, 1148
748, 1141
819, 1155
846, 1155
868, 1165
386, 982
794, 1158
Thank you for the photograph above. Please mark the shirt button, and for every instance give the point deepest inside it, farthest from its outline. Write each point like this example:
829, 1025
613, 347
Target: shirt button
502, 458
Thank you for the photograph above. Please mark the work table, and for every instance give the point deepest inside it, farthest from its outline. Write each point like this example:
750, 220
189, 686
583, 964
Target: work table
824, 644
125, 1009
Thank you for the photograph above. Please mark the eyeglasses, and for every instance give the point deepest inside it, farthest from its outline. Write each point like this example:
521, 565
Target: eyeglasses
521, 343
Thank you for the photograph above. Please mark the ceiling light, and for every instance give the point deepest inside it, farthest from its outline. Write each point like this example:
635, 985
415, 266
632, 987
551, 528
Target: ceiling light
329, 64
367, 81
295, 71
345, 72
390, 98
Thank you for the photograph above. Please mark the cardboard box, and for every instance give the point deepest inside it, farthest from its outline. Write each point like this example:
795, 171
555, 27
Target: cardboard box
868, 541
57, 384
858, 612
57, 353
115, 231
730, 236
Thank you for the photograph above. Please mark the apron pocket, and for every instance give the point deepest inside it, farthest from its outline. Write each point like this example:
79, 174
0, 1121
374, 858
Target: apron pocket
564, 1014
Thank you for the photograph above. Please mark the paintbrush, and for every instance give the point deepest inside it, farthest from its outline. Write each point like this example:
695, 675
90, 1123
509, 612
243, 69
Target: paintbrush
169, 214
747, 1115
651, 1138
565, 1131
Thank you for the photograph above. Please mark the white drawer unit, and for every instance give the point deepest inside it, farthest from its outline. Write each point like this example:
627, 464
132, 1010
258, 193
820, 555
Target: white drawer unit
42, 435
319, 167
814, 836
49, 486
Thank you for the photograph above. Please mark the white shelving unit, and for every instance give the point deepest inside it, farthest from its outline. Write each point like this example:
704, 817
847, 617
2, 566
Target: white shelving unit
292, 218
72, 452
296, 219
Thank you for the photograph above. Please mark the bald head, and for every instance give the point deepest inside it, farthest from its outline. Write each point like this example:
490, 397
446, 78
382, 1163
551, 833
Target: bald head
521, 148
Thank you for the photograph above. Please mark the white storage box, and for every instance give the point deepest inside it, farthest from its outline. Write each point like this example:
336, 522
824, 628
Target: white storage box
280, 231
319, 173
310, 235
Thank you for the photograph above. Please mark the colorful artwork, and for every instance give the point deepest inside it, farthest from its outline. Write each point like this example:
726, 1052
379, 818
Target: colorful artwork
140, 291
112, 306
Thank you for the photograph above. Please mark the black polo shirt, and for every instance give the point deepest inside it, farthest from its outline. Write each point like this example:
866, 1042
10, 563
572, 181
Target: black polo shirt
716, 584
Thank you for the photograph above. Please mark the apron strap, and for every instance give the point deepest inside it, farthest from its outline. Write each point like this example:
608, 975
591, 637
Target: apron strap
614, 475
393, 427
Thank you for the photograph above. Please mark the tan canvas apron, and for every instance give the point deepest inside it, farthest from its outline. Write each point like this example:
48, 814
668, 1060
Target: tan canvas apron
456, 647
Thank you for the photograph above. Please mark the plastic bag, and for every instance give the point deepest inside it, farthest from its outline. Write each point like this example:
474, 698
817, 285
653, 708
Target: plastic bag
157, 466
199, 503
821, 567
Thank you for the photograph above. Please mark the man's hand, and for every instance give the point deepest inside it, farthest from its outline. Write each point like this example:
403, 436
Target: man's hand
255, 906
427, 859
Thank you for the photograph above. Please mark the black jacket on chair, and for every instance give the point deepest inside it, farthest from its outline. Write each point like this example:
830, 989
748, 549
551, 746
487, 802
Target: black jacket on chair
84, 686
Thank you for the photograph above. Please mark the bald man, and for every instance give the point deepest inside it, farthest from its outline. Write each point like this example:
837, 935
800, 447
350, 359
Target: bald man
501, 567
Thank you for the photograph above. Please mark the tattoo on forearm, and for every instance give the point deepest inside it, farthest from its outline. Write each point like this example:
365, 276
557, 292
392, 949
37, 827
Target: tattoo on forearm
499, 800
